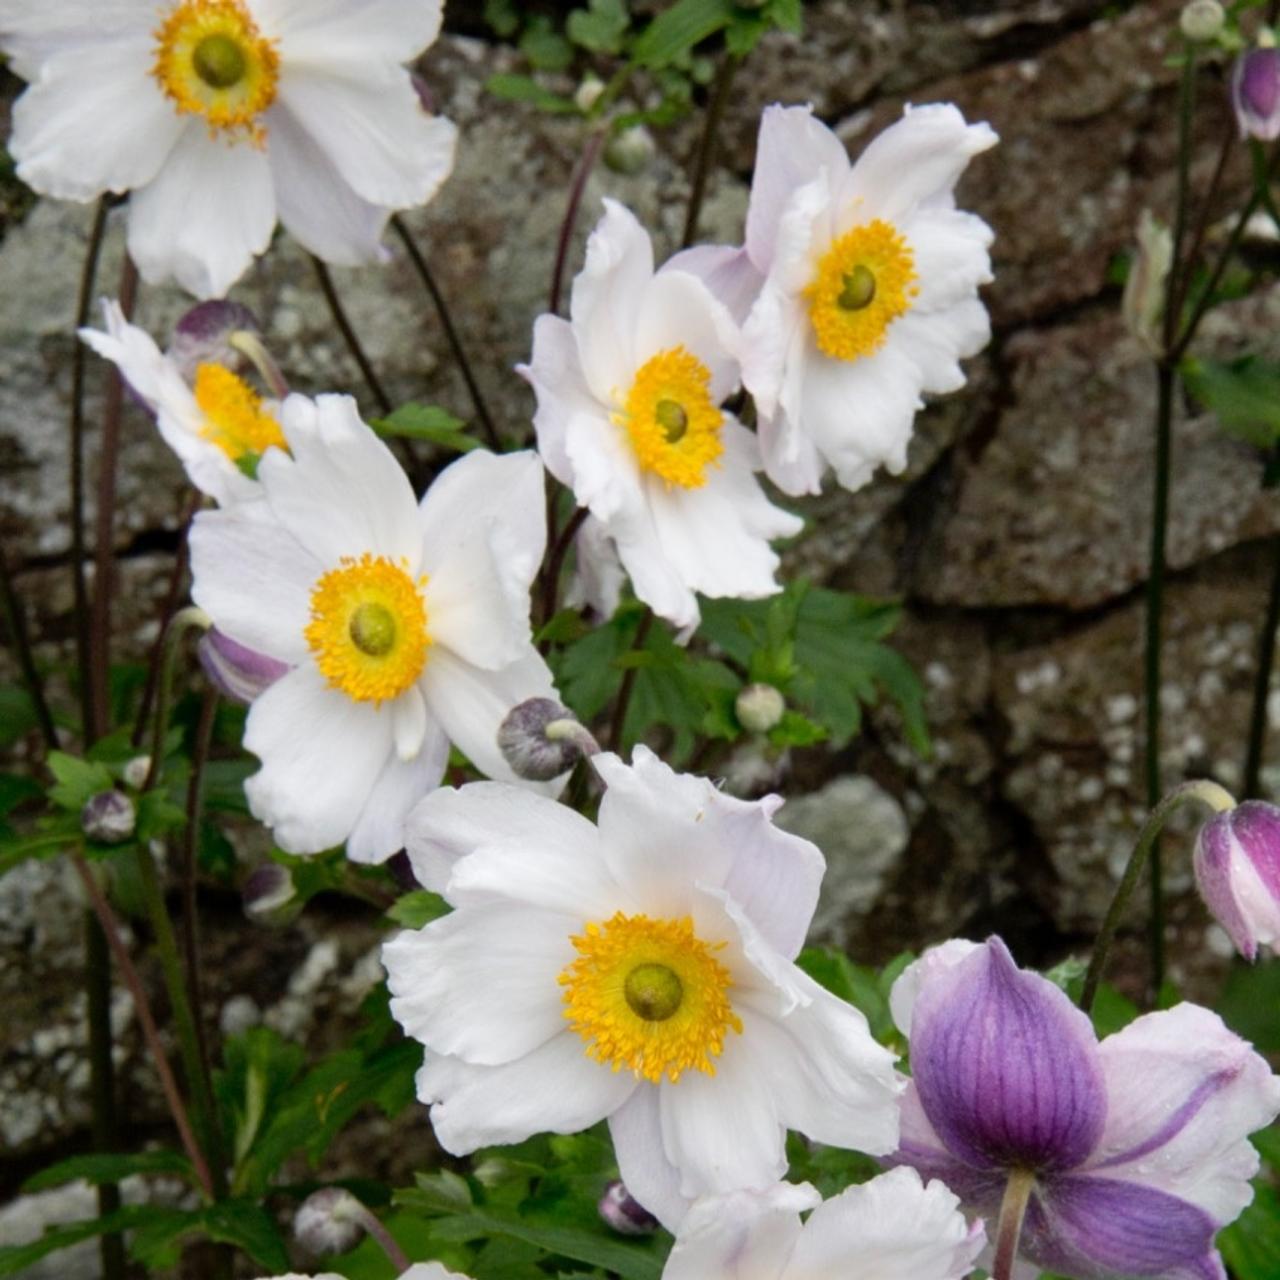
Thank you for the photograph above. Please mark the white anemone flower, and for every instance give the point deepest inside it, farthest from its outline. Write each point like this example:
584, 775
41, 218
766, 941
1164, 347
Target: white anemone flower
418, 1271
642, 971
867, 278
217, 424
893, 1228
629, 394
222, 115
406, 626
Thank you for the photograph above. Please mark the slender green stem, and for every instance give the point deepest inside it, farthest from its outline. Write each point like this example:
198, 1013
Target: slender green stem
1178, 269
389, 1244
450, 332
587, 162
1202, 221
707, 146
104, 558
16, 626
555, 562
88, 281
1013, 1209
339, 313
619, 721
1206, 792
188, 619
1262, 681
146, 1020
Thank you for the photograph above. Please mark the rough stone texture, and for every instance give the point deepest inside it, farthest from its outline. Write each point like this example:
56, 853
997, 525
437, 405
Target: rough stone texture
1016, 537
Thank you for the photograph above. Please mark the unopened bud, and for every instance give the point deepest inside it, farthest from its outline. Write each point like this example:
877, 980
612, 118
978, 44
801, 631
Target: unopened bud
588, 92
269, 896
1237, 865
203, 336
540, 739
1144, 291
236, 671
1202, 20
137, 771
328, 1222
630, 150
620, 1210
109, 818
759, 707
1255, 91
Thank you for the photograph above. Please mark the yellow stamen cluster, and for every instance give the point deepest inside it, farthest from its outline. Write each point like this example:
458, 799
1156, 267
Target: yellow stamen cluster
368, 628
864, 282
234, 419
211, 60
648, 995
671, 419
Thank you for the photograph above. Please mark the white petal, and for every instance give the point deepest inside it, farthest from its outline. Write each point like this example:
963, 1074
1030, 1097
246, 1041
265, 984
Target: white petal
253, 580
723, 1132
368, 30
937, 341
452, 823
834, 1082
619, 265
484, 530
917, 160
209, 211
408, 723
598, 575
604, 474
554, 1089
654, 578
902, 997
555, 373
746, 1235
793, 150
370, 122
379, 831
636, 1131
677, 310
321, 755
471, 702
342, 493
729, 274
33, 31
1183, 1093
893, 1228
665, 834
481, 984
950, 249
95, 120
317, 205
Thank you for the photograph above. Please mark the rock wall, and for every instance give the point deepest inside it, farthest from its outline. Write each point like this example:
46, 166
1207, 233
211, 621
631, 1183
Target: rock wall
1017, 537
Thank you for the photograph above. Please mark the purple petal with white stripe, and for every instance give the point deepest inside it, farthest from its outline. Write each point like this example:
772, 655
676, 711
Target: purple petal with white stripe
1237, 864
1006, 1066
236, 671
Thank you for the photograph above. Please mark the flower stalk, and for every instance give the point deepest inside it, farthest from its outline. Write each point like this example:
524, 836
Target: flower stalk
1209, 793
350, 337
1013, 1209
707, 146
1250, 789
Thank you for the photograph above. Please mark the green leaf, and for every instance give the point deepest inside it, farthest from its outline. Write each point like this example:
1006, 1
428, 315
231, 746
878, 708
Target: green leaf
52, 836
441, 1191
1243, 394
1249, 1002
98, 1169
158, 815
224, 784
426, 422
516, 88
676, 30
1251, 1244
15, 788
248, 1227
502, 16
600, 27
546, 48
17, 714
417, 908
76, 780
18, 1257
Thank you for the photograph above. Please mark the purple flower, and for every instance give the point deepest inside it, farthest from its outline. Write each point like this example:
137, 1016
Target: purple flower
236, 671
1138, 1145
1237, 863
1255, 93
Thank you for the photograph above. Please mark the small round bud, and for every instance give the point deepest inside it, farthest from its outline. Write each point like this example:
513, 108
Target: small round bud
109, 818
540, 739
328, 1222
269, 895
630, 151
759, 707
625, 1214
588, 92
1202, 20
237, 672
136, 772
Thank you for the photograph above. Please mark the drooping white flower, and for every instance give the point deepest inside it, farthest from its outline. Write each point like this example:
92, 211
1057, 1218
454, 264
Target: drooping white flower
406, 626
217, 424
863, 288
418, 1271
640, 970
222, 115
893, 1228
629, 394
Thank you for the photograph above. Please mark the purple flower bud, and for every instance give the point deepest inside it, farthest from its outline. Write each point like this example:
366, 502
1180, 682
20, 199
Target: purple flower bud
540, 739
269, 896
328, 1222
1255, 93
237, 672
1237, 863
203, 336
626, 1215
109, 817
